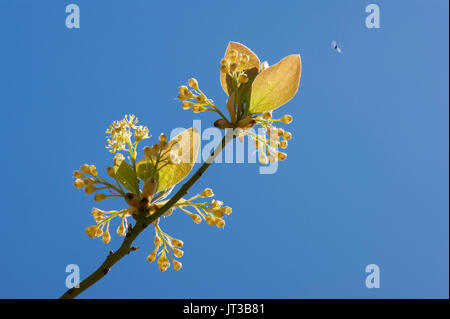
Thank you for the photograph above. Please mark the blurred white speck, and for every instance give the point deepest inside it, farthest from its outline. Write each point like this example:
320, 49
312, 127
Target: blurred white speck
335, 46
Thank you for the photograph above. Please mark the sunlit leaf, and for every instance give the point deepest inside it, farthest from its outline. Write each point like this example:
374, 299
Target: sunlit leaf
171, 174
253, 64
276, 85
127, 177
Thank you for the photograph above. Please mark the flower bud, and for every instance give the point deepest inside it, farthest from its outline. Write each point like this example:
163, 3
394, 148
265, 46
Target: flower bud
244, 59
91, 231
196, 218
121, 230
89, 189
151, 258
284, 144
207, 192
178, 253
177, 243
162, 138
287, 136
282, 156
233, 67
99, 197
106, 237
243, 78
287, 119
227, 210
78, 183
220, 223
267, 115
93, 170
85, 169
193, 83
186, 105
211, 220
78, 174
232, 55
110, 172
177, 265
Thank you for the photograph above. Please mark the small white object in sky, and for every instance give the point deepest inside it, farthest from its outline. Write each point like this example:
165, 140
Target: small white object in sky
335, 46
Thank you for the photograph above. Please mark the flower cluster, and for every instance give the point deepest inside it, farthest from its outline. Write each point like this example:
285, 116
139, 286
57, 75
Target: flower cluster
120, 133
103, 218
87, 178
163, 165
166, 243
213, 213
254, 90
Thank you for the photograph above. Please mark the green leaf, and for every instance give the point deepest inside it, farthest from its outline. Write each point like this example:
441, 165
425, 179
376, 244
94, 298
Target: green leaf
276, 85
171, 174
127, 177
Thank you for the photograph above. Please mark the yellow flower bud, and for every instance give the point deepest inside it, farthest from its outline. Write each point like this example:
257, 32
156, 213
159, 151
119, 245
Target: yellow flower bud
162, 138
287, 119
151, 258
216, 204
186, 105
78, 174
78, 183
178, 253
244, 59
93, 170
99, 232
284, 144
201, 99
89, 189
196, 218
177, 243
232, 55
85, 169
243, 78
106, 237
233, 67
110, 171
224, 62
155, 149
220, 223
157, 241
207, 192
163, 262
99, 197
227, 210
287, 136
218, 213
177, 265
267, 115
198, 108
280, 131
211, 220
282, 156
91, 231
121, 230
193, 83
224, 68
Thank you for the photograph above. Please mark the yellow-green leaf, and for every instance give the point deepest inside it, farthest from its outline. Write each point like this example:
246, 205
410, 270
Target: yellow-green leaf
276, 85
241, 49
127, 177
171, 174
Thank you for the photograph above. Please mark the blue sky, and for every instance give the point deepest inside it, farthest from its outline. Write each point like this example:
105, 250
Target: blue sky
366, 180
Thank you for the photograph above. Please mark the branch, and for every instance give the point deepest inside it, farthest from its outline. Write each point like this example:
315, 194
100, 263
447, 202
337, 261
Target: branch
142, 223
